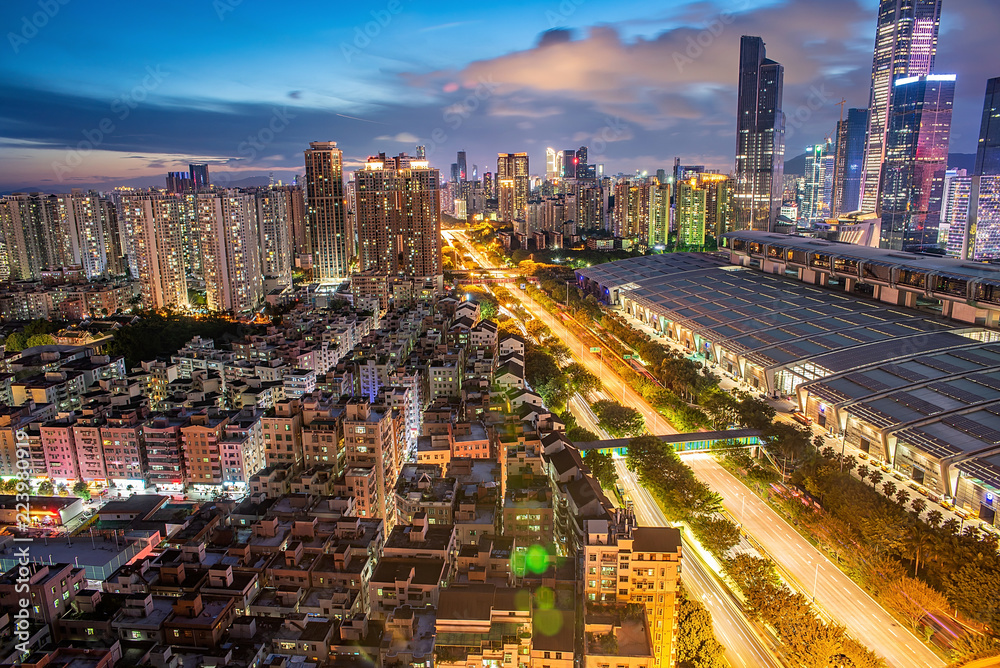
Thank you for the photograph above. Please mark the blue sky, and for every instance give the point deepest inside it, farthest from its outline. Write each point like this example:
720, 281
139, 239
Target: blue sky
113, 93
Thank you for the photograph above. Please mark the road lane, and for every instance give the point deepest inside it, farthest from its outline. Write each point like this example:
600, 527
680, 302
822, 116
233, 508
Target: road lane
744, 648
817, 576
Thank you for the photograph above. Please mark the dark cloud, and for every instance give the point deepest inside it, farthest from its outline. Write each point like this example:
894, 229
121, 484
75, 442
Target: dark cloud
555, 36
638, 102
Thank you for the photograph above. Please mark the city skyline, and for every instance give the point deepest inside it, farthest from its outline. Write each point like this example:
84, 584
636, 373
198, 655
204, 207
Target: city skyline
567, 76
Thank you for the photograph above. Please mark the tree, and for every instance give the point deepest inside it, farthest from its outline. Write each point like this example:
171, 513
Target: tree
717, 534
62, 489
973, 590
850, 463
934, 518
619, 421
537, 329
913, 599
560, 352
40, 340
918, 505
46, 488
82, 490
581, 380
539, 366
581, 435
863, 472
876, 477
974, 646
889, 487
902, 496
602, 466
696, 644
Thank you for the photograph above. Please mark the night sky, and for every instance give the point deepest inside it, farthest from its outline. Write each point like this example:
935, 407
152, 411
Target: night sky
245, 85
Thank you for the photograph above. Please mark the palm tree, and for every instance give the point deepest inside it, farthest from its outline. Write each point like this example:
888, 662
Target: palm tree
850, 463
934, 518
863, 472
918, 505
902, 496
889, 488
951, 526
876, 477
918, 540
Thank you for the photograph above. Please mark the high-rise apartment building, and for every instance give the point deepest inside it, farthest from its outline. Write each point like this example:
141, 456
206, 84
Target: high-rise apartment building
199, 176
848, 170
374, 441
905, 46
398, 216
702, 208
512, 185
154, 225
916, 157
624, 563
274, 211
760, 139
658, 218
33, 233
331, 241
988, 153
230, 246
631, 209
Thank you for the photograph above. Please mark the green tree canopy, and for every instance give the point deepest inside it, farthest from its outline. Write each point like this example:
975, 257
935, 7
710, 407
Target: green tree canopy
619, 421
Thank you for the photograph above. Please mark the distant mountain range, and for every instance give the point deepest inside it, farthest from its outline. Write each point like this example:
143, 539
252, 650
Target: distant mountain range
797, 165
145, 182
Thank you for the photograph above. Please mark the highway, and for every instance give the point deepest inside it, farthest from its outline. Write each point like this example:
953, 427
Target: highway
835, 593
744, 647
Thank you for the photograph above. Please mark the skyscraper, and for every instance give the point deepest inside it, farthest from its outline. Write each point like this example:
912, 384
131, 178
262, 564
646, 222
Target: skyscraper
850, 158
199, 176
988, 153
551, 168
332, 244
230, 247
816, 203
274, 208
916, 156
154, 224
760, 139
569, 163
512, 185
463, 170
905, 46
398, 217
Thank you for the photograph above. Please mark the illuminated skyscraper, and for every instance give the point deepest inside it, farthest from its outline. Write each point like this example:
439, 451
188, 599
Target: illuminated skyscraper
551, 167
274, 207
199, 176
512, 185
919, 128
463, 169
398, 217
702, 208
816, 203
988, 153
230, 247
154, 224
974, 217
658, 219
760, 139
849, 162
905, 46
326, 210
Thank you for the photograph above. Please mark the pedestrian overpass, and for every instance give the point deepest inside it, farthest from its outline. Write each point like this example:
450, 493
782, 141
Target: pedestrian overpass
696, 441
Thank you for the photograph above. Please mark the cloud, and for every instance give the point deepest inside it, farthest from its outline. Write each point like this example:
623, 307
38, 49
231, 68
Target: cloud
401, 137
